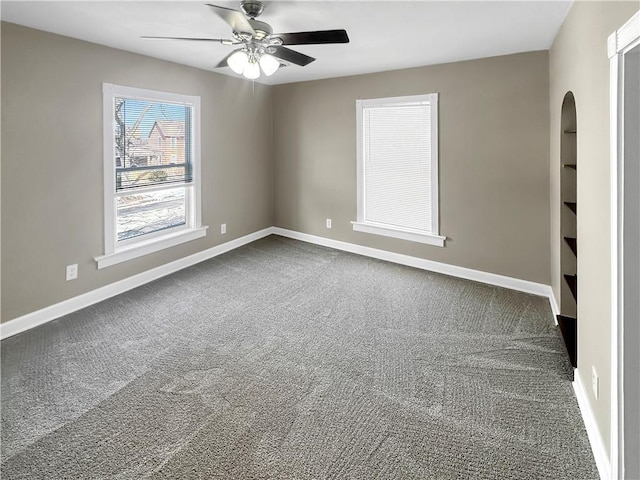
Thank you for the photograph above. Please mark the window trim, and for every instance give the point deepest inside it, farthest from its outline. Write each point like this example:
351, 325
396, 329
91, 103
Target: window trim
116, 253
399, 232
433, 237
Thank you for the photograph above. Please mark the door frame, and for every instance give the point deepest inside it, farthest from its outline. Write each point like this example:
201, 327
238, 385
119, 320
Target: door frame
620, 42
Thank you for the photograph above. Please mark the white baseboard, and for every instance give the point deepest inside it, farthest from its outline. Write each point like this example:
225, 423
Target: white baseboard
453, 270
554, 306
595, 438
66, 307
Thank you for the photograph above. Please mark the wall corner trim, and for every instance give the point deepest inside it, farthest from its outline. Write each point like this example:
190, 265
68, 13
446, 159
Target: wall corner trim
47, 314
598, 447
424, 264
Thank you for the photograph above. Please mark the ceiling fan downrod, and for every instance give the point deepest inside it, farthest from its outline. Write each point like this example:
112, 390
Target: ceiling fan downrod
252, 8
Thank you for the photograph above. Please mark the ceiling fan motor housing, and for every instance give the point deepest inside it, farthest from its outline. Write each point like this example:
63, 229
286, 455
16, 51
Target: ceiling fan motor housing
262, 29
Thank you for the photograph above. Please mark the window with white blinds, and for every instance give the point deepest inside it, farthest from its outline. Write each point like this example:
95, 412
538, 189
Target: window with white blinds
152, 187
397, 167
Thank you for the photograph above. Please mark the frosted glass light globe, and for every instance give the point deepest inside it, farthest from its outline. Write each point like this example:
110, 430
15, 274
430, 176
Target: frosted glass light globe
252, 71
269, 64
238, 61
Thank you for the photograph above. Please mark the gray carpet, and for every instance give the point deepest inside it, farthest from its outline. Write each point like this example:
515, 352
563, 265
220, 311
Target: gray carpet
285, 360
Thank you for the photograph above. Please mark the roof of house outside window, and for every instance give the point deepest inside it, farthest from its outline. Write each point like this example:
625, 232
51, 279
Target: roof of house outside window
169, 128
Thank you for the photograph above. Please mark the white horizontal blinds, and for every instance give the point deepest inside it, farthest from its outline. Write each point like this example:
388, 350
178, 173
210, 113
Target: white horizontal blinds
152, 143
397, 165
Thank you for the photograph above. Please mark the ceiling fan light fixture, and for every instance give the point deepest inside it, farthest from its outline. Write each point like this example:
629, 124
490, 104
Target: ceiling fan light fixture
238, 61
260, 49
269, 64
252, 70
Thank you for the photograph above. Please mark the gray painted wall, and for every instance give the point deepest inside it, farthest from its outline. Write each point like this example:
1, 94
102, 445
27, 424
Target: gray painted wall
578, 62
494, 183
52, 180
494, 160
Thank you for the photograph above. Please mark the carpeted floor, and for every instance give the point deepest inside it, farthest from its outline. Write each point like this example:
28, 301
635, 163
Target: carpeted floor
285, 360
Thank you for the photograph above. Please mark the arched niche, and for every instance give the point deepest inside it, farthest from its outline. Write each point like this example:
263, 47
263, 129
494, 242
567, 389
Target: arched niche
567, 320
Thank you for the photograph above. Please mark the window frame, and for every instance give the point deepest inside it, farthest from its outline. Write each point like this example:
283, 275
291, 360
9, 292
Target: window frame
119, 251
431, 237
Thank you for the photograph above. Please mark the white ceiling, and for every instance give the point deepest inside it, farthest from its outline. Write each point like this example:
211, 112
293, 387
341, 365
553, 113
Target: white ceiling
385, 35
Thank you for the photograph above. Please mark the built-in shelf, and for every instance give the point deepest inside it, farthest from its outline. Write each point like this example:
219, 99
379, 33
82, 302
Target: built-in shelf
569, 329
572, 206
567, 320
572, 281
573, 244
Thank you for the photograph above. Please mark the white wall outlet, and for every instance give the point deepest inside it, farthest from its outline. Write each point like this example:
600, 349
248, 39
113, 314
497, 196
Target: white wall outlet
223, 228
72, 272
328, 223
595, 382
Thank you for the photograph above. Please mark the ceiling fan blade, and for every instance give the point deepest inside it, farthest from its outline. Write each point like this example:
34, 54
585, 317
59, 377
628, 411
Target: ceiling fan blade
288, 55
223, 41
236, 20
313, 38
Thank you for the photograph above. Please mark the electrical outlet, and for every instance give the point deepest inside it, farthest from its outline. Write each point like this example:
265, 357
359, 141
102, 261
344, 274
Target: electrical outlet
328, 223
595, 382
223, 228
72, 272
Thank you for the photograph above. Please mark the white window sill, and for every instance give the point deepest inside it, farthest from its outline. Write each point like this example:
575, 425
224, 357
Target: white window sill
145, 247
401, 233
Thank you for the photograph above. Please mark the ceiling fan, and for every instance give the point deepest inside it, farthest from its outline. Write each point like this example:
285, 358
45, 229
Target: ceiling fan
260, 48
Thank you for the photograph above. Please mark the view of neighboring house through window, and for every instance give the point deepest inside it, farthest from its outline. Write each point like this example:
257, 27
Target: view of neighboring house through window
150, 188
151, 184
397, 147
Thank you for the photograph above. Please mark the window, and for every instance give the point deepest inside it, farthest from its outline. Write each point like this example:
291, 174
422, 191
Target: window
148, 204
397, 146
